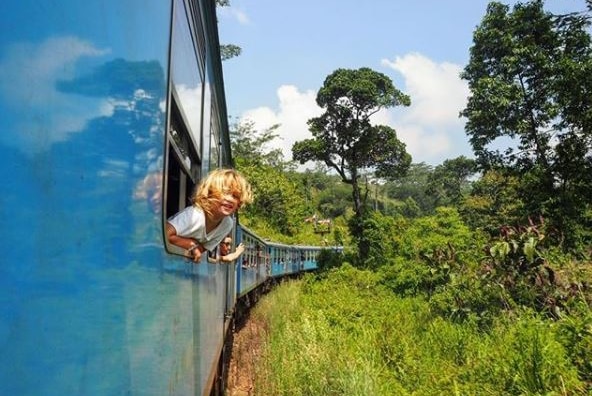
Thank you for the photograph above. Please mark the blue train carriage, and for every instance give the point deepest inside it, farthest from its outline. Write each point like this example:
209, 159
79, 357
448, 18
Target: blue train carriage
111, 113
263, 259
290, 259
254, 264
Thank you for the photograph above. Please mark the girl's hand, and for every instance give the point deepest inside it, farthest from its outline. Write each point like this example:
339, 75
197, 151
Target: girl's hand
195, 252
196, 255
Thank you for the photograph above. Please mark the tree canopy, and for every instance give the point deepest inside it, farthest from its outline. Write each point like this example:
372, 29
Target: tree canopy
344, 137
530, 76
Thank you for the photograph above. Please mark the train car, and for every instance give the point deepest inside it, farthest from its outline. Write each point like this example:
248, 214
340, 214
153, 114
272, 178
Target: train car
264, 260
112, 112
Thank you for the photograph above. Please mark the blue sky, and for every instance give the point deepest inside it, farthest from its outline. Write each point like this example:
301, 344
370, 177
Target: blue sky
289, 47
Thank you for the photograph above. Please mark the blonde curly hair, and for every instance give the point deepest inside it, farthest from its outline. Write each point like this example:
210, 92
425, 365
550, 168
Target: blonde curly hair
218, 182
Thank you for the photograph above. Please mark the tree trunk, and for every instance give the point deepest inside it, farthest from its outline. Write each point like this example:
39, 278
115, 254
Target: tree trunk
357, 226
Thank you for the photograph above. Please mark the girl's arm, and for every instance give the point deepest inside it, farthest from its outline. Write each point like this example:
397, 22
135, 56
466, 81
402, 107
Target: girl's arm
233, 256
193, 248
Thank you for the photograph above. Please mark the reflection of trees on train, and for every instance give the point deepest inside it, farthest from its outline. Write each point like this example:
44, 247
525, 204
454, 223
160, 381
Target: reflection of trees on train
112, 150
150, 189
89, 181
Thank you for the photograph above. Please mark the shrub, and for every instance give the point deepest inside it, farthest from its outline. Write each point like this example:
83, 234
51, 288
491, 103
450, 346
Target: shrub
328, 258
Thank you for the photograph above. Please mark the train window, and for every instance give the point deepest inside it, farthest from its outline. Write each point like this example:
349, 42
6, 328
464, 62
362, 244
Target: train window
182, 164
183, 157
187, 71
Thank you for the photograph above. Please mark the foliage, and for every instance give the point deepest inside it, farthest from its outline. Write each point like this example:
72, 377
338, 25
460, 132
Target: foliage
429, 252
413, 186
517, 266
529, 76
495, 200
327, 259
375, 237
575, 332
347, 335
251, 147
429, 236
228, 51
450, 182
277, 200
334, 202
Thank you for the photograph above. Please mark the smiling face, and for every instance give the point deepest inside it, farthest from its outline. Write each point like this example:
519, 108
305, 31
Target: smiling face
228, 204
225, 246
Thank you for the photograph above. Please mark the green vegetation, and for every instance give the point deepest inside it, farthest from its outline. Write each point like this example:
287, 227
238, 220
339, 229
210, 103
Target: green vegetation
529, 74
346, 141
348, 334
470, 277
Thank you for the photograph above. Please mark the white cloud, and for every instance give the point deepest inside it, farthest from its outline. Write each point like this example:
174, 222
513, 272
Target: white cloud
43, 114
295, 109
431, 127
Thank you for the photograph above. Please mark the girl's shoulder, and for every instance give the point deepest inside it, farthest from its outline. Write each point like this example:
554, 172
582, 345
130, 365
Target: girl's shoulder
192, 211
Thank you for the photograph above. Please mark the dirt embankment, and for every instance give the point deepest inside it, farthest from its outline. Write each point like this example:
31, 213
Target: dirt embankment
246, 350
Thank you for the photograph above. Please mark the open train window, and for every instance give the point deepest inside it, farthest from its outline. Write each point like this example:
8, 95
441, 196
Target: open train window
183, 164
184, 157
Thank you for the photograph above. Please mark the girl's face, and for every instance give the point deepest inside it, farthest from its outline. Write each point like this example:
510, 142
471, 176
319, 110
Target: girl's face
228, 204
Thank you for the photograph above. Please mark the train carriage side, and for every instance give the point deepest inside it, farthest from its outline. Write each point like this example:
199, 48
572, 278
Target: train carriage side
263, 259
253, 267
111, 113
290, 259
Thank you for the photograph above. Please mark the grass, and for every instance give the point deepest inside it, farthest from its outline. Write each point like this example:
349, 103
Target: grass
347, 335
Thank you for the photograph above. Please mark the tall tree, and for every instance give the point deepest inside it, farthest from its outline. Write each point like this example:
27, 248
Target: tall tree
250, 146
343, 136
529, 75
278, 203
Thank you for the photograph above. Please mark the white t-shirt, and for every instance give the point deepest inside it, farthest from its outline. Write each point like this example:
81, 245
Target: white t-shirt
191, 223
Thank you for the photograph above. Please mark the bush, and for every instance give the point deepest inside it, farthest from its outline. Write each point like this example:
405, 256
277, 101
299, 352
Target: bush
328, 258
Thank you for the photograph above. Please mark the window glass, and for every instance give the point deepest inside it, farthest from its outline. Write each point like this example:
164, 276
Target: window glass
187, 73
215, 140
207, 117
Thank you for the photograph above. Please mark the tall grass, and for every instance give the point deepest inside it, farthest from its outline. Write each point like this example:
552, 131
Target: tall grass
347, 335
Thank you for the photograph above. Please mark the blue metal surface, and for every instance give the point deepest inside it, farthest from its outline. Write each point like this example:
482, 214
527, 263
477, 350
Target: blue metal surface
86, 307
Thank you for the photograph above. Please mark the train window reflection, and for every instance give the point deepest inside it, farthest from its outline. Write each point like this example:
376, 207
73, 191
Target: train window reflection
187, 71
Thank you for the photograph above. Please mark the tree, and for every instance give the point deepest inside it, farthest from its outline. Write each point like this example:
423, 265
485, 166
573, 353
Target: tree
530, 79
251, 146
278, 199
494, 201
343, 137
227, 51
413, 185
450, 182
